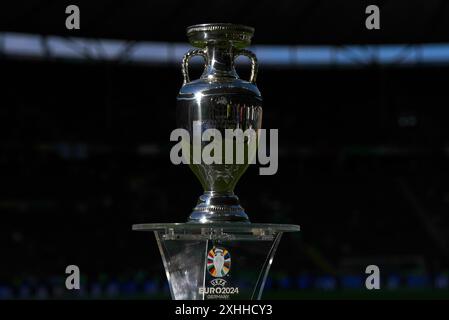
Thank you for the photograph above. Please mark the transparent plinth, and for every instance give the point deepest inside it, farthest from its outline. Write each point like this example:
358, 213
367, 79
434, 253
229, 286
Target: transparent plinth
217, 260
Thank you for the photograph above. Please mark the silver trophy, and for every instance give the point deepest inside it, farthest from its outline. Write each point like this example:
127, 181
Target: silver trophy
218, 253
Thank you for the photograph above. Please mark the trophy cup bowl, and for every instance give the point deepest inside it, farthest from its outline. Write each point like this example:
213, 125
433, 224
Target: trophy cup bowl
219, 100
218, 253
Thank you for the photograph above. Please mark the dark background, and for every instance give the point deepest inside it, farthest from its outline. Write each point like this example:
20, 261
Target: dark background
363, 164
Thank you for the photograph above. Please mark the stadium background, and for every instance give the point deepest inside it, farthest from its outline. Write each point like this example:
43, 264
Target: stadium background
364, 150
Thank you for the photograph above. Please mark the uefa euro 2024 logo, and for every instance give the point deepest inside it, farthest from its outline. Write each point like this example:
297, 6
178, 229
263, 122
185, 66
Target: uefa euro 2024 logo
218, 262
218, 265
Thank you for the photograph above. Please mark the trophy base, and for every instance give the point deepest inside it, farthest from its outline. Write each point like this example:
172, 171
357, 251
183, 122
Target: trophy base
216, 207
217, 261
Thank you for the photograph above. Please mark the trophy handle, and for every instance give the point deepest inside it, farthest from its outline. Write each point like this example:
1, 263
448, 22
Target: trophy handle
186, 59
254, 63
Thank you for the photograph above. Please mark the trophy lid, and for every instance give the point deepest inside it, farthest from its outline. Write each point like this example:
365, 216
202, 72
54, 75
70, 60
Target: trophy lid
200, 34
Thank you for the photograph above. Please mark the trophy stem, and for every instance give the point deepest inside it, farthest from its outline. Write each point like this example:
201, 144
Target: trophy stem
216, 206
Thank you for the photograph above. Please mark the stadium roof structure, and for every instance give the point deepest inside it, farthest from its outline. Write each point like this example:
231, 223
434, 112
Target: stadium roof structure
304, 22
